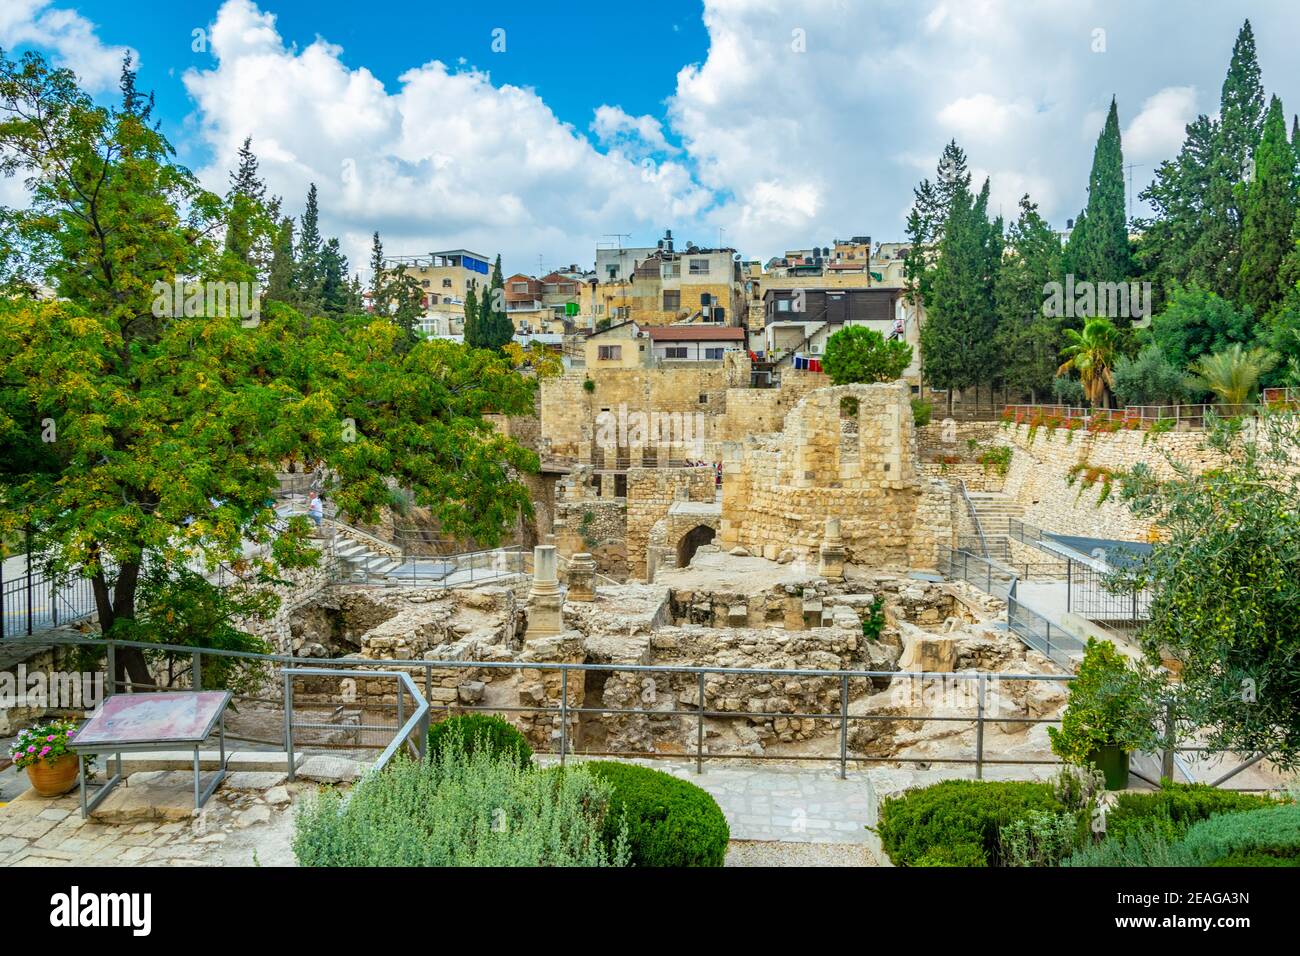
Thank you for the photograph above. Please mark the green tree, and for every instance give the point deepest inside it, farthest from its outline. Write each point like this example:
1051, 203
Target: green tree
473, 335
169, 429
958, 339
931, 207
280, 277
1092, 354
1270, 213
495, 326
251, 220
1225, 582
1099, 246
1149, 379
1234, 374
1028, 340
859, 354
1196, 322
1216, 253
309, 272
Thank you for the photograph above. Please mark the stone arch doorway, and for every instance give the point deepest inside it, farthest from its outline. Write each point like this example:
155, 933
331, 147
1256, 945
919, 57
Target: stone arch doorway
691, 541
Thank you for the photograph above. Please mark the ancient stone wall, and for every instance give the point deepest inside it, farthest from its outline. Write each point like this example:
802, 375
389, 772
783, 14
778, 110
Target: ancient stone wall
650, 494
832, 461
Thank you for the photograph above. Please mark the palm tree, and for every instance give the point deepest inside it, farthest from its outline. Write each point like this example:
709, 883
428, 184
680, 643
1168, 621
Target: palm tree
1233, 374
1092, 353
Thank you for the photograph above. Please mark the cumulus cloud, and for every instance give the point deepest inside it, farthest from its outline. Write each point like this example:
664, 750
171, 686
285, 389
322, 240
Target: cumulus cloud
67, 35
447, 159
1157, 132
638, 135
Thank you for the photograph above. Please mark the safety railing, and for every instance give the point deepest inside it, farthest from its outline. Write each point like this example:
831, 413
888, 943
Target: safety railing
970, 698
990, 577
974, 517
1037, 632
35, 601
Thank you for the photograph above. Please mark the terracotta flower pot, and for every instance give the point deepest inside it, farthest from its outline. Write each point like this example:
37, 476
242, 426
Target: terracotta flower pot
50, 778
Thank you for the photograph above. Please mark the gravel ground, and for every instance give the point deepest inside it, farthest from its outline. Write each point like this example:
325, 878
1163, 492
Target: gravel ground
761, 853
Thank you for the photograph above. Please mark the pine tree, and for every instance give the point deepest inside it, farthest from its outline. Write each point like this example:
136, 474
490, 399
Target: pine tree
1270, 212
1177, 195
334, 271
249, 227
1099, 247
931, 204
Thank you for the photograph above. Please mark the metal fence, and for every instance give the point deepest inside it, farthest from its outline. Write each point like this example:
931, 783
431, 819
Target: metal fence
300, 706
990, 577
1135, 416
35, 601
1040, 634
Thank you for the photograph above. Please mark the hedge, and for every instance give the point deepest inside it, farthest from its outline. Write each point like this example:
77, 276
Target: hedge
1175, 807
1266, 837
486, 731
670, 822
956, 822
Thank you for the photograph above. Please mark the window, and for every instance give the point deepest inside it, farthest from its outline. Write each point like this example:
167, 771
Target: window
783, 305
672, 300
519, 287
446, 283
705, 298
613, 271
675, 352
704, 399
713, 355
424, 283
610, 353
699, 267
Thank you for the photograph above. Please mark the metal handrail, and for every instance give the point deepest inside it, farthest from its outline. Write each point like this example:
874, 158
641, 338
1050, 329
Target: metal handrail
419, 719
970, 508
699, 712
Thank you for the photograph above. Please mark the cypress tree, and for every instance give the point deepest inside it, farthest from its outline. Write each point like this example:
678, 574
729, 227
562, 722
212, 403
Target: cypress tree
1269, 214
472, 336
309, 277
1028, 340
377, 275
280, 282
1099, 244
1216, 253
496, 328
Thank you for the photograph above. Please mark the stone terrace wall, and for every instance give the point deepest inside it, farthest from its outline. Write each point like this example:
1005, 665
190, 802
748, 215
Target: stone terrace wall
778, 490
1040, 466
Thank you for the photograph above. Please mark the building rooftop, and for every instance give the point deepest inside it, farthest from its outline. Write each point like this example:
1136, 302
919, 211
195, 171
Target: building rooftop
696, 333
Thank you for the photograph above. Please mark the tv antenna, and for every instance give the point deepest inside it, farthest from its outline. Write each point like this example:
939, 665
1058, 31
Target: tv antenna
1130, 167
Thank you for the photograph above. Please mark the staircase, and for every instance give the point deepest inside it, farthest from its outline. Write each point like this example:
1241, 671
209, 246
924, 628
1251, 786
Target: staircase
361, 565
994, 510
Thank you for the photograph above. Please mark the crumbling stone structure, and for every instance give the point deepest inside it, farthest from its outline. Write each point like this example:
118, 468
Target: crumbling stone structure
848, 453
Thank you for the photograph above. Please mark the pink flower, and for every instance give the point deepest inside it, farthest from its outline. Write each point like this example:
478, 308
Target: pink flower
50, 737
44, 751
31, 749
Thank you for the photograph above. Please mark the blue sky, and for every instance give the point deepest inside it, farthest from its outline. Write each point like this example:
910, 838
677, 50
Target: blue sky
576, 61
784, 123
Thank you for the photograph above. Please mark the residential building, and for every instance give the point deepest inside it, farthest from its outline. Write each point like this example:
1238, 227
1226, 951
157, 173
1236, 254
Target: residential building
623, 345
693, 343
799, 320
445, 278
670, 285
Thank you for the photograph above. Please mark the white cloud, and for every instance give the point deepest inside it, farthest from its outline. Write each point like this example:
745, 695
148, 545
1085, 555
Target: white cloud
635, 135
1157, 132
447, 159
68, 36
983, 117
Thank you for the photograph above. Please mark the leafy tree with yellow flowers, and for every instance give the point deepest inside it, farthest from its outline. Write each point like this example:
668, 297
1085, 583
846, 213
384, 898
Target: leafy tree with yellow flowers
140, 442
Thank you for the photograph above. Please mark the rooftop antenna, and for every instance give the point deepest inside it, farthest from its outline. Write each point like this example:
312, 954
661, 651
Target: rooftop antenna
1130, 167
619, 236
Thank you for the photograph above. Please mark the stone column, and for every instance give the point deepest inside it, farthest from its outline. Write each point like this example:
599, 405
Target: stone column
831, 563
582, 577
545, 602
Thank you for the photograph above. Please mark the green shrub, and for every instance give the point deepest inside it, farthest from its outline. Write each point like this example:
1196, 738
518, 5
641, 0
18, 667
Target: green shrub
1174, 808
1041, 838
921, 411
1230, 839
956, 812
481, 731
958, 854
669, 822
461, 809
874, 622
1112, 703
